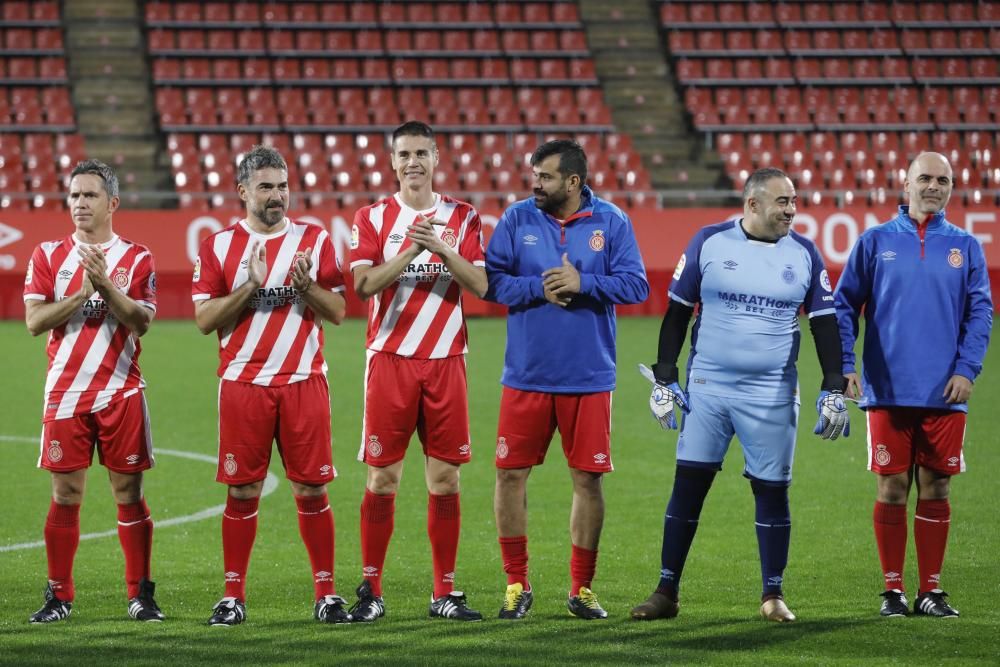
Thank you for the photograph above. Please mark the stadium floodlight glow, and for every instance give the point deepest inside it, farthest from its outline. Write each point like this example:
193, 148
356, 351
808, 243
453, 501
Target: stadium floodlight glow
977, 196
209, 160
65, 161
38, 201
218, 200
368, 159
796, 158
807, 176
213, 179
361, 141
849, 197
298, 141
310, 179
176, 160
376, 178
305, 159
343, 179
336, 160
181, 179
816, 197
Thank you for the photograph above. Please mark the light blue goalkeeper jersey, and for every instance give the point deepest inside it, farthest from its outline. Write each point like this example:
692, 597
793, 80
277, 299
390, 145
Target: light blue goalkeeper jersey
745, 341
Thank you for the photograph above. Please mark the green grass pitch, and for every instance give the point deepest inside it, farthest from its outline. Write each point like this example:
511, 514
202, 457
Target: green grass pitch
832, 581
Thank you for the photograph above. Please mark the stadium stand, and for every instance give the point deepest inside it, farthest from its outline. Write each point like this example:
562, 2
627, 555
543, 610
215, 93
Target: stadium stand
863, 85
38, 138
332, 78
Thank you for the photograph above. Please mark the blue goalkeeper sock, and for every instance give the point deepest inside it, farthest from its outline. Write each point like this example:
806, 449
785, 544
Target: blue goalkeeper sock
691, 485
774, 528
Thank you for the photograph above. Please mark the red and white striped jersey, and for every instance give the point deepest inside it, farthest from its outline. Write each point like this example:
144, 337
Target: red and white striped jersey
93, 358
420, 315
277, 339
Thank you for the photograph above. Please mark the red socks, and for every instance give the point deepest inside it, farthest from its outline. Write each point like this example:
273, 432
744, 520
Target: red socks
62, 537
135, 532
515, 559
890, 536
930, 533
317, 531
377, 514
582, 565
444, 521
239, 529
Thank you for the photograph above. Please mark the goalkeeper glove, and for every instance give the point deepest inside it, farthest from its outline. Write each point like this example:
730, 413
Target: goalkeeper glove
833, 417
663, 398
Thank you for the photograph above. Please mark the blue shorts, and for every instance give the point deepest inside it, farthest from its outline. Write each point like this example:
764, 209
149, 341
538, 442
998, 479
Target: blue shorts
766, 432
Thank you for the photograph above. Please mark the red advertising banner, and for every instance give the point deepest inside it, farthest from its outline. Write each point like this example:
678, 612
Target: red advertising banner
174, 237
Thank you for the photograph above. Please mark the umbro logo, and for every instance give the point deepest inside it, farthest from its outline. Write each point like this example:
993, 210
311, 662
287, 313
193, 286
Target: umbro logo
600, 458
396, 238
730, 265
65, 274
369, 570
530, 239
953, 461
132, 459
888, 255
323, 575
325, 470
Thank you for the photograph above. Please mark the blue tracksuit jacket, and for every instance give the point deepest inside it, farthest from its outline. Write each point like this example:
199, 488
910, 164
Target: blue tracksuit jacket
550, 348
928, 310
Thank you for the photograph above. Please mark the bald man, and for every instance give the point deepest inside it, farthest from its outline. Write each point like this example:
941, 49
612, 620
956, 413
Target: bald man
925, 289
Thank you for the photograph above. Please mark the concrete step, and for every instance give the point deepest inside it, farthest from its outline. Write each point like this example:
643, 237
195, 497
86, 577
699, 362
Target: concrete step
105, 10
631, 65
614, 36
91, 93
84, 37
111, 67
601, 11
97, 121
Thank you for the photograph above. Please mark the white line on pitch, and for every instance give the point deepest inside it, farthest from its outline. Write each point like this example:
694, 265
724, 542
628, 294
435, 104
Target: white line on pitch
270, 484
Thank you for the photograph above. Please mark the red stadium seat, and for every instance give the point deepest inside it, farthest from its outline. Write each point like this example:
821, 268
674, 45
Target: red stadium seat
507, 12
565, 12
702, 12
816, 12
274, 12
457, 41
187, 12
308, 40
246, 12
485, 40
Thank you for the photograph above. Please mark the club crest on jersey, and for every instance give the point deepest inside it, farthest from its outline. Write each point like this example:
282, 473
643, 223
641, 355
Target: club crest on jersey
120, 277
55, 451
788, 275
355, 237
374, 446
680, 266
955, 258
30, 272
597, 240
502, 449
197, 271
882, 455
449, 238
229, 465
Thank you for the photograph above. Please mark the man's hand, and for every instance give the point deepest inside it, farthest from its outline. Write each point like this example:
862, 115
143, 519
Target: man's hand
563, 281
95, 267
662, 399
958, 389
422, 233
833, 417
257, 264
552, 297
853, 391
301, 280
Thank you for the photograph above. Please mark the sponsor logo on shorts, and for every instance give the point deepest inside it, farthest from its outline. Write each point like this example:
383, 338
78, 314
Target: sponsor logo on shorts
600, 458
955, 259
597, 240
323, 575
882, 455
449, 238
55, 451
325, 470
464, 450
132, 459
953, 461
229, 465
120, 277
502, 449
369, 571
374, 446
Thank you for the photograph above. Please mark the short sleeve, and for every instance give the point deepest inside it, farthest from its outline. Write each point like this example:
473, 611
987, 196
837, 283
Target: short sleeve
142, 289
686, 283
38, 284
365, 247
208, 281
472, 243
328, 272
819, 296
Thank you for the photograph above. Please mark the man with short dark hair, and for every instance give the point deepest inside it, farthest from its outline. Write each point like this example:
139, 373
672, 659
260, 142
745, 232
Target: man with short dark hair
560, 261
95, 292
412, 255
750, 277
265, 284
924, 287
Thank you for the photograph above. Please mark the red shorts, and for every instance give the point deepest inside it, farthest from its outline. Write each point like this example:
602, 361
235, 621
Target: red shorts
296, 416
900, 437
403, 395
528, 420
120, 432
